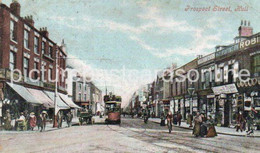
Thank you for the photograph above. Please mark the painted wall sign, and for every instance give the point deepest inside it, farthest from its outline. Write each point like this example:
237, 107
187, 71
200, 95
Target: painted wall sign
206, 58
227, 50
249, 42
254, 53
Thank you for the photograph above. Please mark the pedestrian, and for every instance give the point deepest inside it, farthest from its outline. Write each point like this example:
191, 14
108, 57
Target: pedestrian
250, 123
197, 124
7, 120
21, 124
59, 119
43, 120
162, 119
179, 118
69, 117
38, 120
203, 127
211, 127
240, 121
32, 120
189, 119
27, 120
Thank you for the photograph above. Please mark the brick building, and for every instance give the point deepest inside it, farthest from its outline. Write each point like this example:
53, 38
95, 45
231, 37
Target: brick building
29, 50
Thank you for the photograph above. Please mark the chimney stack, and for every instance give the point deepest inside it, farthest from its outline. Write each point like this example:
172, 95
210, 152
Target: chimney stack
44, 32
15, 8
29, 20
245, 30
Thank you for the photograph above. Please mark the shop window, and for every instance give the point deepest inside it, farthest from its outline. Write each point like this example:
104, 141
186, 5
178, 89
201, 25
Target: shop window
256, 65
13, 30
12, 61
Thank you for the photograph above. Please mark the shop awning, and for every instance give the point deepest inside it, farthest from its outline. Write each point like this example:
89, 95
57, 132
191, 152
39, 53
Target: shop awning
42, 97
68, 101
24, 93
60, 103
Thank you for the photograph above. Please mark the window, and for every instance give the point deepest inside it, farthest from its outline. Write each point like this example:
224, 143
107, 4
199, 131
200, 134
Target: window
13, 27
26, 39
43, 72
85, 97
43, 47
256, 65
12, 61
230, 74
79, 97
50, 73
25, 67
86, 87
79, 86
50, 51
36, 45
35, 66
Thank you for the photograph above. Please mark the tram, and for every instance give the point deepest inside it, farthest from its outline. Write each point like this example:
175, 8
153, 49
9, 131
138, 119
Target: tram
113, 109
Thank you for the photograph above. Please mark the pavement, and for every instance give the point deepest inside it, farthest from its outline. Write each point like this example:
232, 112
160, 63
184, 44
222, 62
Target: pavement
220, 130
49, 127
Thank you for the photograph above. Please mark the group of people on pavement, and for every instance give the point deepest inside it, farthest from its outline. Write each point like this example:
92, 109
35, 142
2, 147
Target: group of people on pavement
241, 122
203, 126
28, 121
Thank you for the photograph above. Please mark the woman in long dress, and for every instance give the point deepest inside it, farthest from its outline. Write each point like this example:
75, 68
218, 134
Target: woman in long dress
198, 121
211, 128
32, 120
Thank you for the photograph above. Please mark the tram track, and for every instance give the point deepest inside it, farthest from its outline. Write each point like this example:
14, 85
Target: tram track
158, 138
179, 141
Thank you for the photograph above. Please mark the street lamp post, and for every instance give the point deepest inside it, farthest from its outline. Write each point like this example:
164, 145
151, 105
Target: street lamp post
56, 92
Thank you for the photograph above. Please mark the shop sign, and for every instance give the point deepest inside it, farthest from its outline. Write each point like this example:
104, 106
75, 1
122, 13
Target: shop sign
225, 89
210, 96
254, 53
195, 103
206, 58
227, 50
249, 42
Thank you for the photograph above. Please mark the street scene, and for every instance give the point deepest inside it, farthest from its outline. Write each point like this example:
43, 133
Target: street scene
129, 76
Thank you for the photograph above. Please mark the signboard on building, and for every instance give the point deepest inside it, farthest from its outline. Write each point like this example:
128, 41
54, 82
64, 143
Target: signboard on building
227, 50
250, 42
206, 58
225, 89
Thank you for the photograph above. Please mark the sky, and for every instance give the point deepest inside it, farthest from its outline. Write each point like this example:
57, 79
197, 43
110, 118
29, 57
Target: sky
121, 44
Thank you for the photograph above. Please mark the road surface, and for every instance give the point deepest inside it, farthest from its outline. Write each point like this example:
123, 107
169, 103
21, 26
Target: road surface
132, 136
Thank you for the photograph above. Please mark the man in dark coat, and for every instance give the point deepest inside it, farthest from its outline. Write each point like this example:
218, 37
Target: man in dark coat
69, 118
240, 121
179, 118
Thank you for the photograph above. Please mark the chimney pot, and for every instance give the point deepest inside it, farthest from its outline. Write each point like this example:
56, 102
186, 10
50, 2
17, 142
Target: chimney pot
15, 8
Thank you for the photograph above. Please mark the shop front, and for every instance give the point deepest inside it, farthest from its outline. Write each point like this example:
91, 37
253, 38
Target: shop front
225, 104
